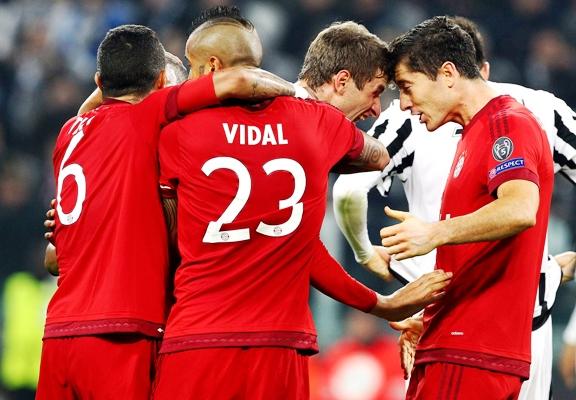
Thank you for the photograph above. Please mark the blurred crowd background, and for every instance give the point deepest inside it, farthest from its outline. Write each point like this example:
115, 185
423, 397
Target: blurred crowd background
47, 64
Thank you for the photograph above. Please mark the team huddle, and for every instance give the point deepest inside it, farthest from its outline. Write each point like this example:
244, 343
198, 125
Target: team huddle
189, 205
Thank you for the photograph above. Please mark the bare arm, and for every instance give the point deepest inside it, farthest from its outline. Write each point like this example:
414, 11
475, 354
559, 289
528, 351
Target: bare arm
93, 101
512, 212
248, 83
50, 260
374, 157
567, 262
413, 297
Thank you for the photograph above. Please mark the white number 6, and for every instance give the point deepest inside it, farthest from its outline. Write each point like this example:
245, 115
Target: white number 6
77, 172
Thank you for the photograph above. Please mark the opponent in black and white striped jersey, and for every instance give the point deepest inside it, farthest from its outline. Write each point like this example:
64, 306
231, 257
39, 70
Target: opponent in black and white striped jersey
422, 160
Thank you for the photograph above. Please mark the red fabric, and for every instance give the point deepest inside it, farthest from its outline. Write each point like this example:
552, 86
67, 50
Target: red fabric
331, 279
456, 382
258, 281
232, 373
112, 254
361, 370
485, 319
97, 367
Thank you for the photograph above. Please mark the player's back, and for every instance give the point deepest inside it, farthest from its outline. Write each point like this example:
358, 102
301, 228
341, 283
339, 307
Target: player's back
251, 186
110, 234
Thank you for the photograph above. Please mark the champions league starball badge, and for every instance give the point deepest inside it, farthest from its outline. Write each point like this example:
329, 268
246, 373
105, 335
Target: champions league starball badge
502, 148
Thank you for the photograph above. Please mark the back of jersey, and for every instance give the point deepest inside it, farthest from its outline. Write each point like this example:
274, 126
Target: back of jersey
110, 235
251, 186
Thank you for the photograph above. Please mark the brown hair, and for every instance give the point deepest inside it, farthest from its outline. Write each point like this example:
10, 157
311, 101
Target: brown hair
344, 46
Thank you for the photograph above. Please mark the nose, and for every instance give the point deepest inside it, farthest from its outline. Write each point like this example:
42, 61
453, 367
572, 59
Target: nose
405, 102
376, 107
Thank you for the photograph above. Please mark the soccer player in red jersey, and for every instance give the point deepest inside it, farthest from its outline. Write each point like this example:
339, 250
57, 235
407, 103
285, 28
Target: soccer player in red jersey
251, 198
111, 303
493, 220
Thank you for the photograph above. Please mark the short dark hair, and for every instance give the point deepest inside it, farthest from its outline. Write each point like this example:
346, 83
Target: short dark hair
472, 29
430, 44
344, 45
129, 60
221, 14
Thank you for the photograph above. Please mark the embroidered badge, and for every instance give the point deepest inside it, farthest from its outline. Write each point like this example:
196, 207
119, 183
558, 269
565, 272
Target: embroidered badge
459, 165
505, 166
502, 148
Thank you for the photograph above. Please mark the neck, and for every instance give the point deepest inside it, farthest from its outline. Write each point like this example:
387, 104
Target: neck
129, 98
476, 94
313, 93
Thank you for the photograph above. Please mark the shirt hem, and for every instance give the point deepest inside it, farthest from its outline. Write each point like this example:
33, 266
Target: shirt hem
490, 362
95, 327
305, 342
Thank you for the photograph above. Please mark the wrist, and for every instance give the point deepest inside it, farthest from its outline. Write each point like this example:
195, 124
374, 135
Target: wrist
440, 233
382, 307
364, 256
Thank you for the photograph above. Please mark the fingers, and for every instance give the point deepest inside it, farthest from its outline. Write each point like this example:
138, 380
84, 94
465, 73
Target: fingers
389, 241
49, 223
415, 325
382, 253
397, 215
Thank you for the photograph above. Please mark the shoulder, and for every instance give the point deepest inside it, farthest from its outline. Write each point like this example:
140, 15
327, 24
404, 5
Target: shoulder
309, 105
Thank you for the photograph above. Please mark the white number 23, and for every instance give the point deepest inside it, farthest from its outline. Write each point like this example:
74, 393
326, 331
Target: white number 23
214, 233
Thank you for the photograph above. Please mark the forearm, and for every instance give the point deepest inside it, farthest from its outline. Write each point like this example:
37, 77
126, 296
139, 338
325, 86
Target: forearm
93, 101
374, 157
248, 83
350, 199
330, 278
499, 219
567, 263
50, 260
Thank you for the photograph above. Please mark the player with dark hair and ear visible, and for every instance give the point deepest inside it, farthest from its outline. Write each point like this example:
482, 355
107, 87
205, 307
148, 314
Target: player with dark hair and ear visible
414, 160
499, 185
105, 319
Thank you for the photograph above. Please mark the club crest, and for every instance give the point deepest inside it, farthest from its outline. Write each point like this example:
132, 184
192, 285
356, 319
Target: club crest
459, 165
502, 148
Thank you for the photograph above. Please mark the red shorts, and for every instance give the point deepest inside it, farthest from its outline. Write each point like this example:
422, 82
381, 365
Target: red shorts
455, 382
253, 373
97, 367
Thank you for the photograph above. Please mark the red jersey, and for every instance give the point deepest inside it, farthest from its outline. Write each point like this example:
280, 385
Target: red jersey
251, 185
110, 233
485, 319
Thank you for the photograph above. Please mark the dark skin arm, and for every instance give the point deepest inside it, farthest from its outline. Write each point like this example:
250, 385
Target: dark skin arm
249, 83
245, 83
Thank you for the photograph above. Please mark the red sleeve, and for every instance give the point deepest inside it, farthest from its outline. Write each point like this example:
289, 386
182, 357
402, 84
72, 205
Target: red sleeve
516, 150
357, 146
330, 278
342, 140
192, 95
168, 156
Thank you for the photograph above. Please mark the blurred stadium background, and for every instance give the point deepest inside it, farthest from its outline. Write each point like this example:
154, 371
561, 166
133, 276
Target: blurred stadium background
47, 62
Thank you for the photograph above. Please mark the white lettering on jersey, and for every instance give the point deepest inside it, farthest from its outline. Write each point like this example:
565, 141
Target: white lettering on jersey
252, 135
